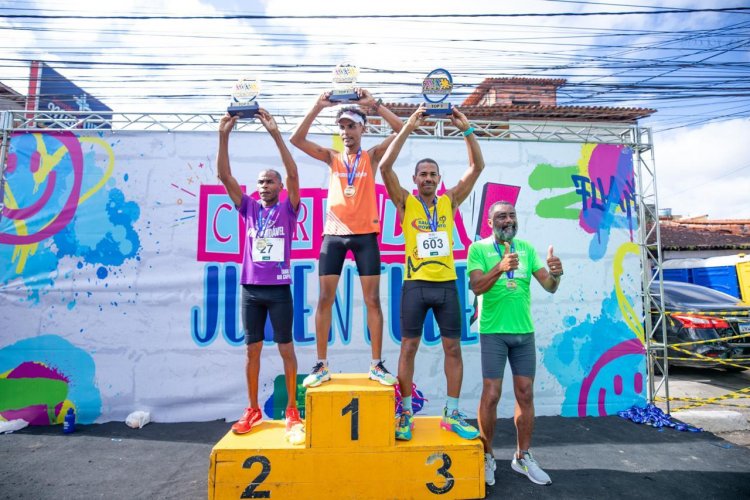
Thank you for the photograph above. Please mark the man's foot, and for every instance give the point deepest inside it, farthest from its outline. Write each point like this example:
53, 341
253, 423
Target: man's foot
530, 468
404, 426
292, 418
250, 418
295, 428
489, 469
380, 373
456, 422
319, 375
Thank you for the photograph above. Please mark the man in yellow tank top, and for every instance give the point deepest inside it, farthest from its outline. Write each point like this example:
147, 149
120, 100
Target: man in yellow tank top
430, 283
352, 223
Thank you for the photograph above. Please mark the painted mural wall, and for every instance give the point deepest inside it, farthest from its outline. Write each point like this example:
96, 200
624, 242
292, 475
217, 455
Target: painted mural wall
119, 269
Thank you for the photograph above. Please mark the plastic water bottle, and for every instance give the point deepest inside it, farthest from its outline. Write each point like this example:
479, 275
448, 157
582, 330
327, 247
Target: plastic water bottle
69, 424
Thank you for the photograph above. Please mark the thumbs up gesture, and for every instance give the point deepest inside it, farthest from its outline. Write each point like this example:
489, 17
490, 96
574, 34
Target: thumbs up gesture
553, 262
510, 259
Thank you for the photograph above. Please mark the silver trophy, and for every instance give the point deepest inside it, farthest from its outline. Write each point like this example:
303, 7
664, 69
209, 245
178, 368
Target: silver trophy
436, 88
243, 103
344, 78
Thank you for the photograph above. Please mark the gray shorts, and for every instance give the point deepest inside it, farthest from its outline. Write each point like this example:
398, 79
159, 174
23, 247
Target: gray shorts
520, 350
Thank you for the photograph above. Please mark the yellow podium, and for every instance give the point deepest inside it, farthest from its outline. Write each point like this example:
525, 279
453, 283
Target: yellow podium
350, 452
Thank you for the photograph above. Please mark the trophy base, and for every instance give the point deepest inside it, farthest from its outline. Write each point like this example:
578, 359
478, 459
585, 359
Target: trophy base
437, 108
343, 97
246, 111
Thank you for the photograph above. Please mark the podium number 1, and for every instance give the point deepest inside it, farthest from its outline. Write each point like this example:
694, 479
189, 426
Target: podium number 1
353, 408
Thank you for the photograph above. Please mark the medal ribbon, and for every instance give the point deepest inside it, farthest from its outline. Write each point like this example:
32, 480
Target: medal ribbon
512, 250
432, 218
351, 172
263, 222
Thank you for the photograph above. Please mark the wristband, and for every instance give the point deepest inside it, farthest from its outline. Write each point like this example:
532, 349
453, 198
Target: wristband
468, 132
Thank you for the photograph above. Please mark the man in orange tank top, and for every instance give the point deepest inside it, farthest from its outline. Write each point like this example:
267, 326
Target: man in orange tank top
430, 282
352, 223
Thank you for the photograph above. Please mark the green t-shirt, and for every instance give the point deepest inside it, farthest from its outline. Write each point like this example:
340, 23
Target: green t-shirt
503, 310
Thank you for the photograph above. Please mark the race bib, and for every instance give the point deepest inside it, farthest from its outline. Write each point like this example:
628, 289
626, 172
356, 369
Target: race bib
268, 249
432, 244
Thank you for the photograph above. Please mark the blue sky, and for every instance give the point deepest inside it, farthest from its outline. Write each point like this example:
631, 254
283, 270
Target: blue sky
693, 67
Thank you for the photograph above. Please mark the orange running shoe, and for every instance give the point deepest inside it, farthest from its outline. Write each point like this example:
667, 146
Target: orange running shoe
251, 417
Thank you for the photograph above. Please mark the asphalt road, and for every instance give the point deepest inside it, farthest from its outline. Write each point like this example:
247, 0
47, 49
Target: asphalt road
587, 458
693, 387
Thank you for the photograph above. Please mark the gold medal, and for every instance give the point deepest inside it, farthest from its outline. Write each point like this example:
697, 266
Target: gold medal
511, 284
350, 191
260, 244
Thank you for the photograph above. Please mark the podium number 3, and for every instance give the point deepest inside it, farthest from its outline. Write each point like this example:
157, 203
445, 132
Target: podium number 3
250, 491
353, 408
442, 471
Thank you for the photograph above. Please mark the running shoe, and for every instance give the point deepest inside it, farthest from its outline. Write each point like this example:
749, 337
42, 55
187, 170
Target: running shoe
250, 418
456, 422
530, 468
295, 428
489, 469
380, 373
319, 375
404, 426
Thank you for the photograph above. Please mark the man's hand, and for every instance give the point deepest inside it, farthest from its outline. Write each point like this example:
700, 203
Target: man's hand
323, 101
510, 260
554, 264
267, 120
417, 118
227, 123
459, 120
366, 100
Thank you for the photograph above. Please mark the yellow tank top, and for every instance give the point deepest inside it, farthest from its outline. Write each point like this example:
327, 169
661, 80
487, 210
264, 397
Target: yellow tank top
428, 268
356, 214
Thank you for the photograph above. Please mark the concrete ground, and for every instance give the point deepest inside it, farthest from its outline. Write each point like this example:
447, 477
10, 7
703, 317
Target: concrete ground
587, 458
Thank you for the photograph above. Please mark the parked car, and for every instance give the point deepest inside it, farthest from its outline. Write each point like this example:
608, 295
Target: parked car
696, 313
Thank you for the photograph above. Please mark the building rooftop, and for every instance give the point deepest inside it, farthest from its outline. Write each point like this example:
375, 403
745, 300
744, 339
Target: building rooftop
529, 99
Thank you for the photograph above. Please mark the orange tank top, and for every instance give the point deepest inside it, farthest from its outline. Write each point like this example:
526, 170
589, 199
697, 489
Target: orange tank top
347, 212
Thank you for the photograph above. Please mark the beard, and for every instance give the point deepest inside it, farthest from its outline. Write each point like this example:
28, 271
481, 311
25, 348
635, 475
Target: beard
506, 233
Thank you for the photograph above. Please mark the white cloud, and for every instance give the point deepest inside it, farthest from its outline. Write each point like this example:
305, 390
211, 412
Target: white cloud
705, 170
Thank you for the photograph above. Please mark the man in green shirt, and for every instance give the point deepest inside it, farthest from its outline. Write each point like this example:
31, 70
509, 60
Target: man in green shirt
500, 269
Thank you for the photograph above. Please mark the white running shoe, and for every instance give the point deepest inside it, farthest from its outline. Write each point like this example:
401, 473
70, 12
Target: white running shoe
489, 469
530, 468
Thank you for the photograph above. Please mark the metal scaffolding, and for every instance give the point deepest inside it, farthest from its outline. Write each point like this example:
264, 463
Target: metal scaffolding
637, 138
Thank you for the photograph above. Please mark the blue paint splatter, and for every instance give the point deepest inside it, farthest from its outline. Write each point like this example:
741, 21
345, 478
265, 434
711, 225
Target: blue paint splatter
572, 354
101, 273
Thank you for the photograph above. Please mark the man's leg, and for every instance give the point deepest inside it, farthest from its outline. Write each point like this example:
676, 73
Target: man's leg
524, 414
371, 295
453, 365
326, 298
409, 347
487, 415
290, 372
253, 414
252, 371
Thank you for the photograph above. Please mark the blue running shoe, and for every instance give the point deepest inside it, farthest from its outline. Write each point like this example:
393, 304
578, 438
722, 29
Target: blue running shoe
456, 422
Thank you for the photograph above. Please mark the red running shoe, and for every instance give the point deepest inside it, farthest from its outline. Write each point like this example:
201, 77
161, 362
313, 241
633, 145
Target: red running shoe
292, 418
251, 417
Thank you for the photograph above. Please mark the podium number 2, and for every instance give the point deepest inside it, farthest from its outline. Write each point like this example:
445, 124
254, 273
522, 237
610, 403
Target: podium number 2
443, 471
265, 470
353, 408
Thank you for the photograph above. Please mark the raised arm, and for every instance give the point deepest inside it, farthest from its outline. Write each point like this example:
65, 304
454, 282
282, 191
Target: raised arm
299, 136
460, 191
397, 193
222, 160
292, 179
369, 103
